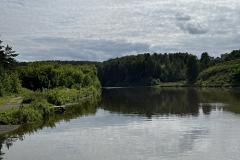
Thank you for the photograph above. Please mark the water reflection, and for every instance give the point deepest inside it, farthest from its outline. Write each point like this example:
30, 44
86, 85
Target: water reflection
168, 101
72, 112
137, 123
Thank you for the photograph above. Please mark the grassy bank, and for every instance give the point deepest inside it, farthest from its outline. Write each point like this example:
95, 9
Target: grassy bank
44, 85
39, 105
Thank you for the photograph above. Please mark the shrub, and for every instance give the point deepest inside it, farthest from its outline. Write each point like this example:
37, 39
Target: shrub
9, 83
10, 117
43, 107
35, 111
28, 115
60, 96
49, 75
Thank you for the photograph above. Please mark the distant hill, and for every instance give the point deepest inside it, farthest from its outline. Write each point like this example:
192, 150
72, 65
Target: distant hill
225, 74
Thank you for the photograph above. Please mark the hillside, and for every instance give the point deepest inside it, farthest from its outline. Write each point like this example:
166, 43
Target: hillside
226, 74
145, 69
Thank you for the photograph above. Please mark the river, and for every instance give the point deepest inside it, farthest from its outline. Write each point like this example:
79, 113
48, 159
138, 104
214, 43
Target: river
137, 124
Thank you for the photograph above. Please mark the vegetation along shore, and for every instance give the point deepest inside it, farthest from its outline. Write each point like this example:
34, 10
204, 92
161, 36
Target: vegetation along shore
30, 90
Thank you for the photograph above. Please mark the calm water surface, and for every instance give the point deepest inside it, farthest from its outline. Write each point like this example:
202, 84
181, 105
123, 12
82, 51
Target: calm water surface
137, 124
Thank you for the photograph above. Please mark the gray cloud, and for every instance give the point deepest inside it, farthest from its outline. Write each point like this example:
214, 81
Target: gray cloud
14, 2
193, 28
182, 17
189, 25
98, 30
84, 49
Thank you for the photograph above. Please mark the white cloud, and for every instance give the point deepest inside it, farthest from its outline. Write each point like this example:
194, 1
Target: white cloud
165, 25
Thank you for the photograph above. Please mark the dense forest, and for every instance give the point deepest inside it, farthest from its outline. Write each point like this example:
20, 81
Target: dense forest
154, 69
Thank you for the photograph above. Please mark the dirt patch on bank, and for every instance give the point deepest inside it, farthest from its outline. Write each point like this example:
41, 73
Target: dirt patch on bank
10, 103
7, 128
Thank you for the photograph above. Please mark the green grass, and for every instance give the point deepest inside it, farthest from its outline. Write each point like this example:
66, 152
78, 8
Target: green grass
35, 111
61, 96
222, 75
39, 105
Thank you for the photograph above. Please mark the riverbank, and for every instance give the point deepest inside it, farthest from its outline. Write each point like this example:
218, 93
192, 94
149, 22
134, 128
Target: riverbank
38, 106
37, 87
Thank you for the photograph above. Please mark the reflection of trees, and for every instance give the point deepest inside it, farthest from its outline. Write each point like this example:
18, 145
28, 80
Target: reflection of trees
149, 101
231, 97
206, 108
86, 108
192, 101
165, 101
2, 139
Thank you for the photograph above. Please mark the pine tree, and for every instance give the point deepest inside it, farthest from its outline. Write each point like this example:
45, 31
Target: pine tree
7, 56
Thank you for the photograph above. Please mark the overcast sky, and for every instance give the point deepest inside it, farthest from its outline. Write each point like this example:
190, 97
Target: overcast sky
103, 29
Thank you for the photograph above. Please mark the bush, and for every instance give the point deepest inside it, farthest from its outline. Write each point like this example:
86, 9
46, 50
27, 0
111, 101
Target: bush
10, 117
35, 111
60, 96
49, 75
28, 115
9, 83
43, 107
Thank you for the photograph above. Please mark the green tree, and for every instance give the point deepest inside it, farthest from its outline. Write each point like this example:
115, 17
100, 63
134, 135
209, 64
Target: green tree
7, 56
9, 82
192, 69
205, 61
235, 54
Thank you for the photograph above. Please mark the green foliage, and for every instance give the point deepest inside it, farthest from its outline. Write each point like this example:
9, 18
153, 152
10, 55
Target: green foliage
52, 84
235, 54
192, 69
40, 75
206, 61
222, 74
38, 106
146, 69
7, 56
143, 69
9, 117
42, 105
9, 83
20, 116
35, 111
61, 96
28, 114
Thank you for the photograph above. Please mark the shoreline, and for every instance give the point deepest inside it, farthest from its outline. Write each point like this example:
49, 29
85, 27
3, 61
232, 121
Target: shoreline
176, 85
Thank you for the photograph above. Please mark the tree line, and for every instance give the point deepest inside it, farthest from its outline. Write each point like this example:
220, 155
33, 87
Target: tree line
134, 70
151, 69
43, 75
